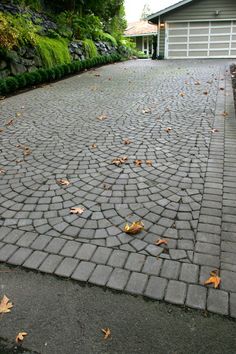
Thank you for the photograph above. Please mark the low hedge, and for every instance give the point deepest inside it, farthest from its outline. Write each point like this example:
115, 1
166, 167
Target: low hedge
21, 81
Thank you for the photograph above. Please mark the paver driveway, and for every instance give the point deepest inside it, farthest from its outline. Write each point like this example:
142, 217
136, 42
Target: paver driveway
187, 197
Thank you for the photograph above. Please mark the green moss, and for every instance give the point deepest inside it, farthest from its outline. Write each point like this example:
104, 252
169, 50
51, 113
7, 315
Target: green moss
52, 51
90, 48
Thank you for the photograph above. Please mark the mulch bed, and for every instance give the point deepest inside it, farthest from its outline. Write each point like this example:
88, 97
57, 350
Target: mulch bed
233, 74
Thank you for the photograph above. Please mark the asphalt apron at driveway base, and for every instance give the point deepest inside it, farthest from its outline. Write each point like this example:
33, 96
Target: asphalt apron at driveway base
178, 114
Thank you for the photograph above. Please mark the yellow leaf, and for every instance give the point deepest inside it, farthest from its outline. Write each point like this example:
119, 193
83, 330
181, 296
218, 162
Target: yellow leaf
27, 151
77, 210
168, 129
5, 305
138, 163
225, 114
102, 117
107, 332
213, 279
134, 228
119, 160
1, 130
127, 142
18, 114
63, 182
20, 336
161, 242
93, 146
182, 94
149, 163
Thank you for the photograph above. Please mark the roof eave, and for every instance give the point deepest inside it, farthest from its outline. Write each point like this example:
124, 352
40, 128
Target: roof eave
168, 9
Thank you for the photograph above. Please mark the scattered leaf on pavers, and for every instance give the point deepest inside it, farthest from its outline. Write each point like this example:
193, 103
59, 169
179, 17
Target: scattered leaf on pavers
222, 88
2, 171
225, 114
149, 163
77, 210
2, 98
205, 93
215, 130
93, 146
186, 82
18, 114
119, 160
102, 117
97, 75
63, 182
209, 82
138, 163
167, 109
127, 142
168, 129
197, 83
27, 151
107, 332
1, 130
20, 336
134, 228
110, 78
9, 122
146, 110
213, 279
5, 305
182, 94
161, 242
106, 186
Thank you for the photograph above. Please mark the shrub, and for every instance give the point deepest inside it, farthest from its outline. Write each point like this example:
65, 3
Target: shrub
11, 84
107, 37
90, 48
21, 80
53, 51
3, 88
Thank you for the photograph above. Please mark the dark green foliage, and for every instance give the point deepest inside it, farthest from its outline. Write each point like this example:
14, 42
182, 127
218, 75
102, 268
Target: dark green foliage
21, 80
11, 84
3, 88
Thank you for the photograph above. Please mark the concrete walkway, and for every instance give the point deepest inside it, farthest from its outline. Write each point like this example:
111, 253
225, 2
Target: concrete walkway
74, 129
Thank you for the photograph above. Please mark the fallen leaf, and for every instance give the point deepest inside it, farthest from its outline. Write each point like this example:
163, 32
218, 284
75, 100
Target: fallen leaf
18, 114
222, 88
197, 83
119, 160
110, 78
102, 117
106, 186
167, 109
213, 279
93, 146
97, 75
77, 210
205, 93
138, 163
182, 94
225, 114
134, 228
168, 129
107, 332
20, 336
127, 142
161, 242
63, 182
149, 163
27, 151
10, 122
5, 305
1, 130
2, 171
146, 110
215, 130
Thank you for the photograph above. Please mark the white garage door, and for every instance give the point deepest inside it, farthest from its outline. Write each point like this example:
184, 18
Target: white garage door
212, 39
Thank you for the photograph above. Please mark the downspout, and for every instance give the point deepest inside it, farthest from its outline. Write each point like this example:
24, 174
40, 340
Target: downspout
159, 33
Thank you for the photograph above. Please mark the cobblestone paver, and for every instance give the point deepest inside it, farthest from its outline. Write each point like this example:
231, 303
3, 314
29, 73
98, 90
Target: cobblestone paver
179, 115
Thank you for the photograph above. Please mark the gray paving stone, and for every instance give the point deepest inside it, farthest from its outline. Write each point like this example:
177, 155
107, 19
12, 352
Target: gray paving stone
196, 297
177, 254
7, 251
152, 266
50, 263
154, 250
40, 242
232, 305
66, 267
101, 255
55, 245
4, 231
228, 280
118, 258
85, 252
100, 275
156, 288
208, 248
13, 236
135, 262
206, 259
83, 271
218, 301
19, 257
136, 283
118, 279
35, 259
27, 239
189, 273
70, 249
170, 269
176, 292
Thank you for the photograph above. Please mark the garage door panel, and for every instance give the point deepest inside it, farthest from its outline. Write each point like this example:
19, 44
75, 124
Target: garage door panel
201, 39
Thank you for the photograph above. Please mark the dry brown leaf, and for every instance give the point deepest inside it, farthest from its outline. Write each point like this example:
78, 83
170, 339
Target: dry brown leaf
27, 151
5, 305
138, 163
182, 94
197, 83
168, 129
222, 88
161, 242
1, 130
213, 279
110, 78
225, 114
215, 130
146, 110
134, 228
18, 114
63, 182
20, 336
102, 117
77, 210
205, 93
2, 171
107, 332
97, 75
149, 163
9, 122
119, 160
93, 146
127, 142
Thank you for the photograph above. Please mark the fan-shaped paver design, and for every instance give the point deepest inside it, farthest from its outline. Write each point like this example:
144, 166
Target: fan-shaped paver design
186, 197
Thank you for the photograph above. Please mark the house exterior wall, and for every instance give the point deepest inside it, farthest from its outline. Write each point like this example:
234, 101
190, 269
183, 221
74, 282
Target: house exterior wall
198, 10
139, 43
